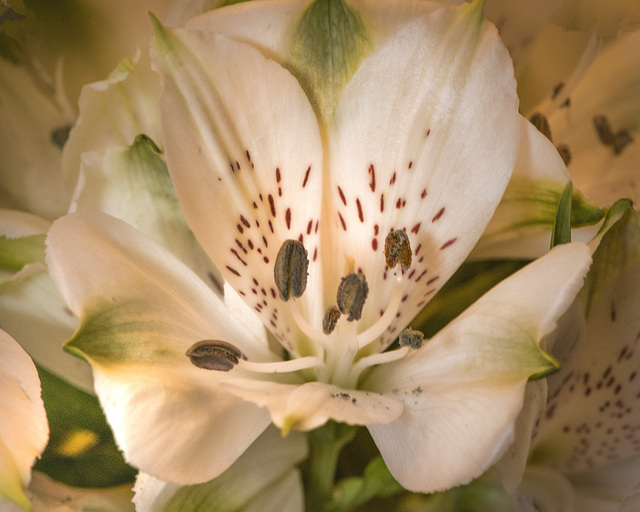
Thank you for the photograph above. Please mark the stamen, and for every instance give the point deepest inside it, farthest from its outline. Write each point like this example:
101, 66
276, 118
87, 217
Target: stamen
214, 355
330, 319
380, 358
294, 365
397, 249
411, 338
351, 296
290, 270
376, 330
305, 327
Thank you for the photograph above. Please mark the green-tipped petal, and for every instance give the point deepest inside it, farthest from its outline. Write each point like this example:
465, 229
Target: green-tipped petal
133, 184
464, 388
23, 423
141, 309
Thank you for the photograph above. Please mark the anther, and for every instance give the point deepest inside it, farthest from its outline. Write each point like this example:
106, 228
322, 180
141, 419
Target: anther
290, 271
214, 355
411, 338
352, 293
542, 124
330, 319
397, 249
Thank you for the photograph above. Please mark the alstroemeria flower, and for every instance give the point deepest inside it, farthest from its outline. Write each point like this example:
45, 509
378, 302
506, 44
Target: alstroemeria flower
307, 137
587, 442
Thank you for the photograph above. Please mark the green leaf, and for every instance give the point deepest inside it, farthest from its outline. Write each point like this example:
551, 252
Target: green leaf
376, 482
81, 450
327, 47
15, 253
561, 233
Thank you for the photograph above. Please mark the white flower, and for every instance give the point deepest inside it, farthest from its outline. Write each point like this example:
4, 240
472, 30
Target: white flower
333, 125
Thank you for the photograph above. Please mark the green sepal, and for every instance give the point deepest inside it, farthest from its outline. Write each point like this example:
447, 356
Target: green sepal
15, 253
561, 233
468, 284
328, 45
81, 450
615, 212
376, 482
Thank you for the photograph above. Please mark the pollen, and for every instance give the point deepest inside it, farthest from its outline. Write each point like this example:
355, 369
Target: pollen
290, 270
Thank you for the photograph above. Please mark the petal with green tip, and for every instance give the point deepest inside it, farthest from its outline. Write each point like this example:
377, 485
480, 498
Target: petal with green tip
140, 310
464, 388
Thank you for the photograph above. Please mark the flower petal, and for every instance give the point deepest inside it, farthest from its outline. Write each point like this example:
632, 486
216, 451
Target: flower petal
311, 405
141, 309
464, 388
23, 422
244, 152
113, 112
530, 202
609, 88
591, 417
423, 140
247, 483
133, 184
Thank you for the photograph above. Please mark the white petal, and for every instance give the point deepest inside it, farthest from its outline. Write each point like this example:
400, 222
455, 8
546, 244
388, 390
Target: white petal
141, 309
133, 184
30, 178
424, 139
609, 88
312, 404
24, 430
244, 152
592, 418
113, 112
464, 388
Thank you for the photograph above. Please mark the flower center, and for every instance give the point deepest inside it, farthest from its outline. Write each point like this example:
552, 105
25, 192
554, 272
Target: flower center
338, 342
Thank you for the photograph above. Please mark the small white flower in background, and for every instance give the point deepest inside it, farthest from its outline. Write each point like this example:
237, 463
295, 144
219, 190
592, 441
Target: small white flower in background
309, 150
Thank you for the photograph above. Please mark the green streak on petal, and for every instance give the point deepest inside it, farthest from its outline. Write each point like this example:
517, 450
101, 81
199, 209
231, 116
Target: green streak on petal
75, 416
327, 47
561, 233
127, 332
15, 253
535, 203
619, 249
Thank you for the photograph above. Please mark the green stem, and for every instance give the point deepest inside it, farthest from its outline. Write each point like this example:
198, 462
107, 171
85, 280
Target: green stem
319, 470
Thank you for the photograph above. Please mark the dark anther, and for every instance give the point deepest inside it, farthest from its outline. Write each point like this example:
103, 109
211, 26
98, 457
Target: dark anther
352, 293
330, 319
397, 249
290, 271
214, 355
411, 338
